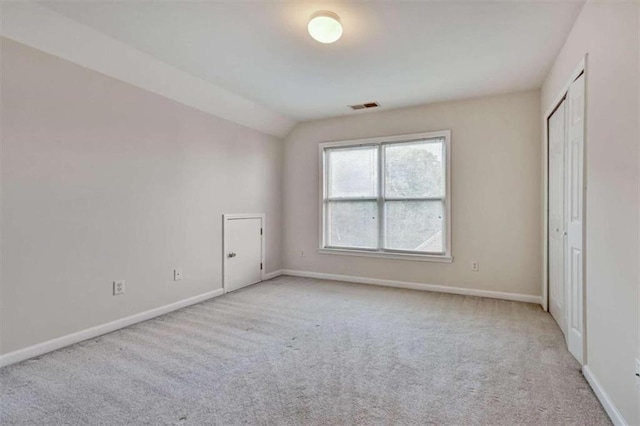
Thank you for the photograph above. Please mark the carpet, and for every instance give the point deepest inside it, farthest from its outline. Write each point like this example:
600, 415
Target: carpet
296, 351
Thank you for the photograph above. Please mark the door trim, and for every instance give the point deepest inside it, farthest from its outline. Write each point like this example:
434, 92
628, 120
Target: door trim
225, 243
581, 68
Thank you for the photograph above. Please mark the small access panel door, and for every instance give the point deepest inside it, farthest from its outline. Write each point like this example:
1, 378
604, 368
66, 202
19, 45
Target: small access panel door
243, 257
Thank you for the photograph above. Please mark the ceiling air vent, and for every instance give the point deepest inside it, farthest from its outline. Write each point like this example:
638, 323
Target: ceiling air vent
364, 106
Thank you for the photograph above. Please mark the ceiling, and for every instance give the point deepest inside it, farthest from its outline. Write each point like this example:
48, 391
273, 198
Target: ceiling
398, 53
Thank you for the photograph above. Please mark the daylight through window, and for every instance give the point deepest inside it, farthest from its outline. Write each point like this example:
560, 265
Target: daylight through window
387, 195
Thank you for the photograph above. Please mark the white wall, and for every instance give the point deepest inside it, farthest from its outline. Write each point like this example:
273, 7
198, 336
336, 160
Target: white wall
496, 187
104, 181
608, 33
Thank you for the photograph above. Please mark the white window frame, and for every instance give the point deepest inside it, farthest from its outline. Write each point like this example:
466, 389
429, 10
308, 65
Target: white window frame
445, 255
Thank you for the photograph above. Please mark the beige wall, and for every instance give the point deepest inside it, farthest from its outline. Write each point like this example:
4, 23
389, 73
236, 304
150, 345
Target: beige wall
608, 32
496, 187
104, 181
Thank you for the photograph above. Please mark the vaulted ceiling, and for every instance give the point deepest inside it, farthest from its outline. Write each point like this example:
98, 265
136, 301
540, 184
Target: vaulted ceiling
398, 53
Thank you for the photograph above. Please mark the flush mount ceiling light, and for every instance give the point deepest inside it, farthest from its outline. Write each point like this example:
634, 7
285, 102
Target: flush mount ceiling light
325, 27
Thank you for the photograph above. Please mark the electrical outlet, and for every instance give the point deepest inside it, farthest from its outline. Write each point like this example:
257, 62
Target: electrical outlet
475, 265
177, 274
118, 287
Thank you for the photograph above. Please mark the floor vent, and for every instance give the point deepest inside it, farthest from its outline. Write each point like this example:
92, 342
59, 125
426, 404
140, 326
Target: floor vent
364, 106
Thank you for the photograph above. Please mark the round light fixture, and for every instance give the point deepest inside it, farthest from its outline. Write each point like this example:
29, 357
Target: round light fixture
325, 27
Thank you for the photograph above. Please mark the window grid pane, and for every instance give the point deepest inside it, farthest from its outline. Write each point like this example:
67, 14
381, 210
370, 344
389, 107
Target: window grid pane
416, 226
414, 169
352, 172
352, 224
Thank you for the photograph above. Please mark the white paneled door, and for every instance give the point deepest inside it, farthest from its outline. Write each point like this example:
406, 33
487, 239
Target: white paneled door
575, 205
557, 231
566, 204
243, 251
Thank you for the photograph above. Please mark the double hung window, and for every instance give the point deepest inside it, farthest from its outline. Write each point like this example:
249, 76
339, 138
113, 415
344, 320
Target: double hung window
387, 197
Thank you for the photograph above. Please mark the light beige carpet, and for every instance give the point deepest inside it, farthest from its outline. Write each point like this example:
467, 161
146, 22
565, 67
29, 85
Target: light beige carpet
295, 351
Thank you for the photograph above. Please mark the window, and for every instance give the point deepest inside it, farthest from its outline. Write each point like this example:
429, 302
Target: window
387, 197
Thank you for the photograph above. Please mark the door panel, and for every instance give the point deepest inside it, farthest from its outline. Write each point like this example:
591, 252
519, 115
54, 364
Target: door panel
556, 230
575, 162
243, 252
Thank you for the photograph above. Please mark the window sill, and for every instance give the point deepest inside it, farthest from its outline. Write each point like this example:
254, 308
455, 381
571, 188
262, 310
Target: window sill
388, 255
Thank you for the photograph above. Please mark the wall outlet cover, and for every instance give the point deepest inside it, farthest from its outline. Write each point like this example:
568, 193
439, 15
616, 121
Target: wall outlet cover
177, 274
118, 287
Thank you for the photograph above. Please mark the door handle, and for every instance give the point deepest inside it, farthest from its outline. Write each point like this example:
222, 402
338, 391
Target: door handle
564, 233
232, 255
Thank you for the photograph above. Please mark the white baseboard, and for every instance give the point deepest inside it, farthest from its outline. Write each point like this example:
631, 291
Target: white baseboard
60, 342
609, 407
273, 274
417, 286
89, 333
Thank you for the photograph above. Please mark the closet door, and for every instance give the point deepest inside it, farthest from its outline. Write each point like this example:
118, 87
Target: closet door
557, 230
575, 217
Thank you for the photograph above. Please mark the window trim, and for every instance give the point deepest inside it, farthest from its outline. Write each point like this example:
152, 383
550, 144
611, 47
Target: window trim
445, 256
